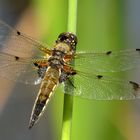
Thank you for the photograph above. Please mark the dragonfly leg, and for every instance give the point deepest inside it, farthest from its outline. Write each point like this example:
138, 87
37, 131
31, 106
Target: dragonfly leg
71, 82
66, 72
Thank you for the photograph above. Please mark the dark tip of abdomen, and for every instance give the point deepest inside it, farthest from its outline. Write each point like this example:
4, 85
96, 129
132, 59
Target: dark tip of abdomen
108, 53
99, 76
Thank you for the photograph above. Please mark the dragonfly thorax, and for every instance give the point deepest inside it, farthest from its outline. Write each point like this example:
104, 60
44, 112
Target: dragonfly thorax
56, 63
58, 53
62, 47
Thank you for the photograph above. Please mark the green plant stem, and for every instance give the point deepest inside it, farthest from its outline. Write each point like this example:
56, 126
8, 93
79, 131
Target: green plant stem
68, 100
72, 15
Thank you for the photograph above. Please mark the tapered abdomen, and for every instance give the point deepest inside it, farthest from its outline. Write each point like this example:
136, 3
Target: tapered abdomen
48, 85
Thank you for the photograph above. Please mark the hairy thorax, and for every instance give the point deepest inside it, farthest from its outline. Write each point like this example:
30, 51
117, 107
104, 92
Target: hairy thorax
57, 59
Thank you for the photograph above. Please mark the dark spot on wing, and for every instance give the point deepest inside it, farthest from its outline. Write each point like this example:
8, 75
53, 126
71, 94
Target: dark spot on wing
138, 50
18, 33
99, 76
36, 64
135, 85
108, 53
16, 58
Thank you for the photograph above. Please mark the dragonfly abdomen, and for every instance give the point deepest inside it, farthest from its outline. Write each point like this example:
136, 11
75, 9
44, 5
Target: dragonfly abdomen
48, 85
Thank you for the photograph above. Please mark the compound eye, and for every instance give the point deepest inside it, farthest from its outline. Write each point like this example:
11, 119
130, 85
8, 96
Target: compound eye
62, 37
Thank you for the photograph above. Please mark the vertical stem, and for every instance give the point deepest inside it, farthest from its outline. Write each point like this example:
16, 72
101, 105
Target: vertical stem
68, 100
72, 15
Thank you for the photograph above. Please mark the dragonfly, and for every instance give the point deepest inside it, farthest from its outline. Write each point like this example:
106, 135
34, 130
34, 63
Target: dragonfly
93, 75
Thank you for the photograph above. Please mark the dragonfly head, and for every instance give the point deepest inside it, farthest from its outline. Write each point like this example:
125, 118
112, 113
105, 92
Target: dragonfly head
69, 38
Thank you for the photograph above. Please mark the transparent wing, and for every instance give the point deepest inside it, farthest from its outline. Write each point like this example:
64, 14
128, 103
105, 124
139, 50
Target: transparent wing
109, 61
103, 87
17, 55
15, 42
19, 69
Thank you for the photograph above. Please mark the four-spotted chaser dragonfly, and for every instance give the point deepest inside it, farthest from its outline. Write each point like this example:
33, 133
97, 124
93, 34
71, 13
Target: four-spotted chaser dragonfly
27, 60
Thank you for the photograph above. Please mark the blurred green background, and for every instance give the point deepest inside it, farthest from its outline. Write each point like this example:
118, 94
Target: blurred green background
101, 25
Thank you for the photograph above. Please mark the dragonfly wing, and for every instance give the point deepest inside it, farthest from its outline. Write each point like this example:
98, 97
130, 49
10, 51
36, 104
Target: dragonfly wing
104, 87
13, 41
109, 61
19, 69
